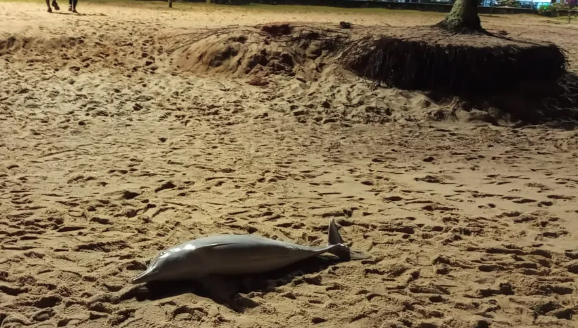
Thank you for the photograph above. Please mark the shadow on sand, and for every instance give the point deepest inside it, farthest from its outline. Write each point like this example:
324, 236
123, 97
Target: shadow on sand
551, 104
228, 289
76, 14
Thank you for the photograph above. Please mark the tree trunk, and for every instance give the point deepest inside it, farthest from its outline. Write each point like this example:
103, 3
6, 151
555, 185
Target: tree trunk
463, 17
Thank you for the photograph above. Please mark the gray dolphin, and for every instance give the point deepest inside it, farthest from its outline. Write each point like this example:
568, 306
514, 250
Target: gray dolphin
234, 255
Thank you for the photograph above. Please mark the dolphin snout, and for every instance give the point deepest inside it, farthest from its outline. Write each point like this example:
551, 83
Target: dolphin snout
142, 277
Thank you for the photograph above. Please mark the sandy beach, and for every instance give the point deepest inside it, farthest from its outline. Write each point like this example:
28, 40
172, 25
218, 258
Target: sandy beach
115, 145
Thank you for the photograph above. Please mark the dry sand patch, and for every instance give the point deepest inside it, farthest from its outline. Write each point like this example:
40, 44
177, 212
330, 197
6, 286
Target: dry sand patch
109, 152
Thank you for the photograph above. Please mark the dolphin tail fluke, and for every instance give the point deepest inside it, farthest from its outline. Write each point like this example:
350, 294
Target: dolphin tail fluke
333, 234
334, 239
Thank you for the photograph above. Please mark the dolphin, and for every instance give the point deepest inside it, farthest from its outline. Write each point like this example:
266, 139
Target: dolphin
223, 255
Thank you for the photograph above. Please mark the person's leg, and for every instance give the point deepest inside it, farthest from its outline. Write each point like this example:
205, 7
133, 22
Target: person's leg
69, 5
55, 5
48, 5
74, 2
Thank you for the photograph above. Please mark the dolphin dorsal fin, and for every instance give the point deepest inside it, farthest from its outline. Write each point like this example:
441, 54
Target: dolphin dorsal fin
333, 234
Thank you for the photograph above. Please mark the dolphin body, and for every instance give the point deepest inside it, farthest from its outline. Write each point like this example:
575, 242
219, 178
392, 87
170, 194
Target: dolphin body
221, 255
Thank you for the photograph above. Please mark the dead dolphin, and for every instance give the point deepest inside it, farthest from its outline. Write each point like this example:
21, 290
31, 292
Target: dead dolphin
234, 255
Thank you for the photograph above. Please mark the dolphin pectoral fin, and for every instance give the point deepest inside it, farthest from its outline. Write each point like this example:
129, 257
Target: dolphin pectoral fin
224, 290
220, 289
334, 237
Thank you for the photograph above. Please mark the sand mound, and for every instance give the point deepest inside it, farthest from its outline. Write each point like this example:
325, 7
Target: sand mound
492, 74
15, 43
433, 59
421, 58
262, 50
322, 66
82, 54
